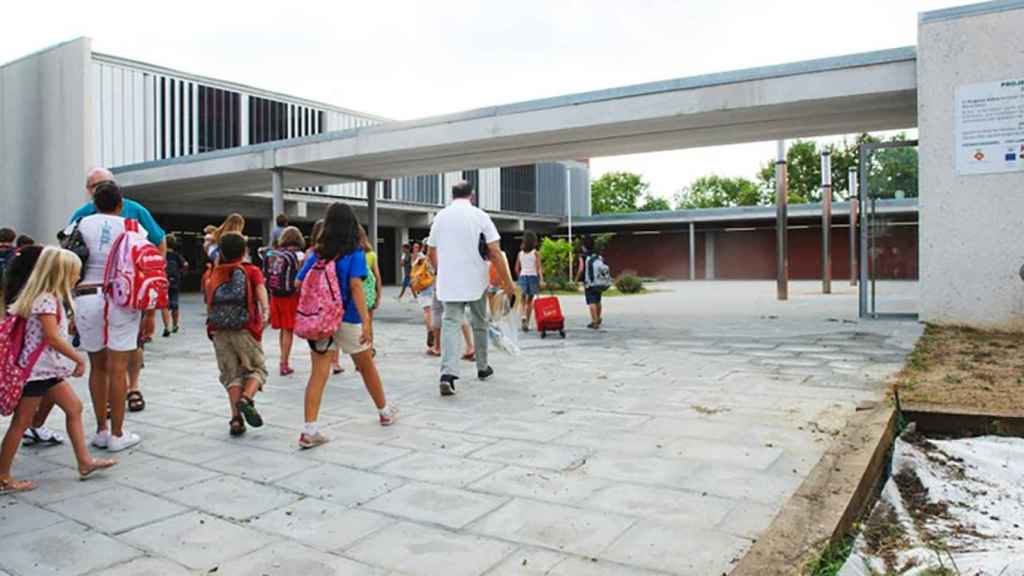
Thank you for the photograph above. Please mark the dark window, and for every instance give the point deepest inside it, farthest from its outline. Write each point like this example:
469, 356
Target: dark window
473, 177
219, 119
519, 189
270, 120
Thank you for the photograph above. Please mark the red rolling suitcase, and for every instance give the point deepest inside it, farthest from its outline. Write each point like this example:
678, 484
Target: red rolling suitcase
547, 311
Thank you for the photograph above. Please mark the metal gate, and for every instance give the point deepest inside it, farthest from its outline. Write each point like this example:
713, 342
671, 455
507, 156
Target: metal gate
888, 237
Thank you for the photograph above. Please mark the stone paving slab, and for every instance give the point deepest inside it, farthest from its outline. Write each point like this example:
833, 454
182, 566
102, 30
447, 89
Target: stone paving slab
198, 541
64, 549
424, 551
640, 449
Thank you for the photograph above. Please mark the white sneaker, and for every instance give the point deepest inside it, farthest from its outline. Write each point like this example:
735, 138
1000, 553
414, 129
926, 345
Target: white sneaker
41, 435
388, 418
123, 442
101, 439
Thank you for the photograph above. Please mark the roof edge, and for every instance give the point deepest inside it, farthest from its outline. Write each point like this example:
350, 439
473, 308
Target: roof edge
120, 61
979, 9
43, 50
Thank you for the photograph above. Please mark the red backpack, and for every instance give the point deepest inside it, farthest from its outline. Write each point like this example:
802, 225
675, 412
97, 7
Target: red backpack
13, 374
136, 272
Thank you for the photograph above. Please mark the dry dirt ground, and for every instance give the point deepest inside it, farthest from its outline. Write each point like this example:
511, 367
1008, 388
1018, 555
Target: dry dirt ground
965, 369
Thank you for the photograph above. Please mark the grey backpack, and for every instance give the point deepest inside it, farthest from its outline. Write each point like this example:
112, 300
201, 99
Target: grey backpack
229, 307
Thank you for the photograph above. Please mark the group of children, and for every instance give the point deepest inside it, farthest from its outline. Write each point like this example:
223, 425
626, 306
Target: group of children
241, 297
40, 283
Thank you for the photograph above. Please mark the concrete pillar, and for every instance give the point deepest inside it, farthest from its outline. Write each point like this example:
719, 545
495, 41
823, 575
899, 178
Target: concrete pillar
401, 237
709, 255
693, 252
371, 208
969, 221
277, 190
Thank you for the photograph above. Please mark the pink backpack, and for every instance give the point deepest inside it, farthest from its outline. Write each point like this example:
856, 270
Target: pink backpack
12, 374
320, 308
136, 272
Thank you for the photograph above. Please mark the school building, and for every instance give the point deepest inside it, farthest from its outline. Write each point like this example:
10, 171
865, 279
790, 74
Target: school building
194, 148
67, 108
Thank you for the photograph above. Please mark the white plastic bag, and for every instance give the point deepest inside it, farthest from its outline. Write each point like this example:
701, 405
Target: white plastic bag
503, 329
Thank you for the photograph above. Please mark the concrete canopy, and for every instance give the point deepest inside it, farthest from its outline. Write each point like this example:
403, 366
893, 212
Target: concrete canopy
862, 92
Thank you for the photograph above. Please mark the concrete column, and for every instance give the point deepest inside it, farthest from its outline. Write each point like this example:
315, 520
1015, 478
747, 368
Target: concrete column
826, 222
781, 227
371, 208
401, 237
277, 189
693, 253
709, 255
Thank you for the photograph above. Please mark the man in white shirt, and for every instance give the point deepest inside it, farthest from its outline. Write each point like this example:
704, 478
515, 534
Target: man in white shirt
462, 279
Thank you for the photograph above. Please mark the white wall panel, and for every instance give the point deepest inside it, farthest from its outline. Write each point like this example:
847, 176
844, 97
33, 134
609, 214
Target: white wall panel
138, 117
490, 189
107, 119
96, 87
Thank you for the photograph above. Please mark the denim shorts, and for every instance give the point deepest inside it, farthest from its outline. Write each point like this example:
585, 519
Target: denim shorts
530, 285
593, 295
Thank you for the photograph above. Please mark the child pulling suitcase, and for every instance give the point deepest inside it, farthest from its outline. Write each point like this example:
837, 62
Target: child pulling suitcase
547, 312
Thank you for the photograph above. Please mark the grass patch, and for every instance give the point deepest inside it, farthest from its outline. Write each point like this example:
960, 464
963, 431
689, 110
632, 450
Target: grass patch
831, 559
965, 368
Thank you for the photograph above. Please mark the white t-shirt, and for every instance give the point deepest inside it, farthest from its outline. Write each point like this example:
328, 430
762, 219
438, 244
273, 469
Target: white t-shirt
455, 233
51, 364
99, 232
528, 263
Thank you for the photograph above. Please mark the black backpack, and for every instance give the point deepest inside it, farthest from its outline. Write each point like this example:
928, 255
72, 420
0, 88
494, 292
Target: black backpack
75, 242
174, 270
229, 306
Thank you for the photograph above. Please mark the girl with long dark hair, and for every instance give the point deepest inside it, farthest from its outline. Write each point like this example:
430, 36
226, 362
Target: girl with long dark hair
339, 243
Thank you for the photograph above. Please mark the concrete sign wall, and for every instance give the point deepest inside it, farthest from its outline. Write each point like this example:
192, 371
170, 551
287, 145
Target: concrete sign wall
972, 224
990, 127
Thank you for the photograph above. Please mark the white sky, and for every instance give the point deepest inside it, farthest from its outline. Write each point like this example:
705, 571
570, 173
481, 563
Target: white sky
408, 59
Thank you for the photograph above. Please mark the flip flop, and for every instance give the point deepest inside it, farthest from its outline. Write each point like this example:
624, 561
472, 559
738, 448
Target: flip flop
432, 353
470, 357
12, 486
97, 464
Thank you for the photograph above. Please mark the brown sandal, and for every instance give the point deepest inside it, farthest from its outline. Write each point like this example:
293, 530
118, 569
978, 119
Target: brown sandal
237, 426
97, 464
135, 401
11, 486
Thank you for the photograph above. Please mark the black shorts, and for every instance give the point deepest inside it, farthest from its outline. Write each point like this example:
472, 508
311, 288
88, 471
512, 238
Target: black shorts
39, 388
593, 295
172, 299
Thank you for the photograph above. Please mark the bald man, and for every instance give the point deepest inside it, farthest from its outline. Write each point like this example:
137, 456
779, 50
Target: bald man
131, 209
135, 211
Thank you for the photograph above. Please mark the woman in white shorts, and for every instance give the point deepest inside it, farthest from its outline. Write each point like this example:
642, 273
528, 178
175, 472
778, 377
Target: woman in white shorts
108, 332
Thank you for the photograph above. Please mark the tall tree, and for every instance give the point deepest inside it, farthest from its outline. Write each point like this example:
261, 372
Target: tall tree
654, 204
720, 192
617, 192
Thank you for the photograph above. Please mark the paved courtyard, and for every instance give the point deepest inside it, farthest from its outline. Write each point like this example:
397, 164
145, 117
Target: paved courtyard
663, 444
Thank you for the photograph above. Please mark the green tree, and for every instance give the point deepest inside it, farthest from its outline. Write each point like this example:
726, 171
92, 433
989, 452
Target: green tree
617, 192
719, 192
891, 170
654, 204
803, 171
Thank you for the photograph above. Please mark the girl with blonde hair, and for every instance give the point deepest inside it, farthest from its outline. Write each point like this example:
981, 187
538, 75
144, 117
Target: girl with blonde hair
234, 223
44, 302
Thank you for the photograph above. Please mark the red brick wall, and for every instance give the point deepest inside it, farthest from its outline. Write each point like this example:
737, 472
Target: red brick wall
750, 254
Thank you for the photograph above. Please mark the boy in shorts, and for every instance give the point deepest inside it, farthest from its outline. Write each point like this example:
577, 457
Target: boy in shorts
238, 308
